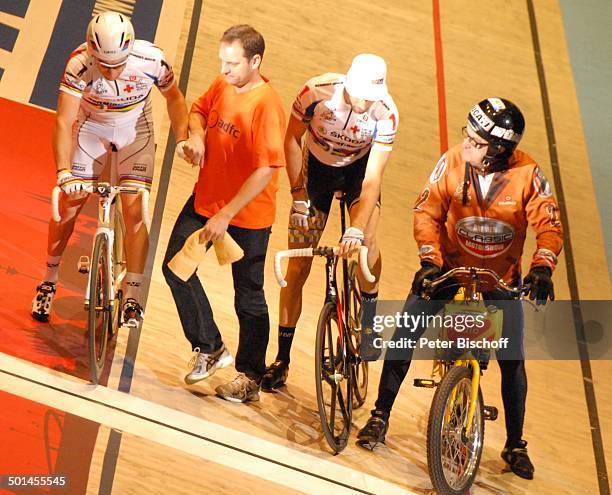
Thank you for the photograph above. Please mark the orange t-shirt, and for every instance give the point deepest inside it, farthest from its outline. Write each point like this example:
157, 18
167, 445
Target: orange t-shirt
245, 131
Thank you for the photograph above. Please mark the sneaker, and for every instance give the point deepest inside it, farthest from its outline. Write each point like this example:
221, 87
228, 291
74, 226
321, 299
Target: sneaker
240, 389
275, 376
204, 365
518, 460
133, 313
43, 300
374, 431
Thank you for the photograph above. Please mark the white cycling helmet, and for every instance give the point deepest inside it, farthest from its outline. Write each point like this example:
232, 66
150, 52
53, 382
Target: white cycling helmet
110, 38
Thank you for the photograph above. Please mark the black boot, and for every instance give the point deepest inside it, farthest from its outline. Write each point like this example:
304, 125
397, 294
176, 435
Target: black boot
517, 459
374, 431
275, 376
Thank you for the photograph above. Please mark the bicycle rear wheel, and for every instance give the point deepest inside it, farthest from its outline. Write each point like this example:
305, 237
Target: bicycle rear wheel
360, 367
334, 380
100, 307
453, 458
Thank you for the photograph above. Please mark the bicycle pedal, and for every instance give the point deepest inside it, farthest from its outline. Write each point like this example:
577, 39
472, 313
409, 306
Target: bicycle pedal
83, 265
425, 383
490, 413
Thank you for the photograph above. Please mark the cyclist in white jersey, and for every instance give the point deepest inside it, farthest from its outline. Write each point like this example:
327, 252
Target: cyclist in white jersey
104, 106
350, 123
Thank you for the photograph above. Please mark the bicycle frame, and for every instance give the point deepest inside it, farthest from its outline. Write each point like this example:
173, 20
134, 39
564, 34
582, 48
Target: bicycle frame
106, 222
106, 217
472, 295
341, 303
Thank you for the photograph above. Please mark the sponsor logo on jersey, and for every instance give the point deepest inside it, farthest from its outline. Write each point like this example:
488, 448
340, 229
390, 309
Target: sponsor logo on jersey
139, 168
438, 170
225, 126
541, 184
329, 116
458, 195
346, 139
508, 201
484, 237
99, 88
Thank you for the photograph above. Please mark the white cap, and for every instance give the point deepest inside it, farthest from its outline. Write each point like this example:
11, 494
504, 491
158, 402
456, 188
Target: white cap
367, 77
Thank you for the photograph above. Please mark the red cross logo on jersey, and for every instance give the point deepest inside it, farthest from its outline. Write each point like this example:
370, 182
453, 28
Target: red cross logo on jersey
128, 88
354, 129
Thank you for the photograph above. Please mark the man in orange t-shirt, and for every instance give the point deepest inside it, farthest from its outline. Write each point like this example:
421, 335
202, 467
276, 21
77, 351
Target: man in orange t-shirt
237, 130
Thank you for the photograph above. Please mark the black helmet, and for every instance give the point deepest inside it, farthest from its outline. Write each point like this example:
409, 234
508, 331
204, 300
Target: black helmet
501, 124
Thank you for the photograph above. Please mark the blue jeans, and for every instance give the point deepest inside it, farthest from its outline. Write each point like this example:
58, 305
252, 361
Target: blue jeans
194, 309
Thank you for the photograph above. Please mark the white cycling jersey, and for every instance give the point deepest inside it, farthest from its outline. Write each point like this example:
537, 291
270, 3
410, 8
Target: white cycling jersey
338, 136
124, 99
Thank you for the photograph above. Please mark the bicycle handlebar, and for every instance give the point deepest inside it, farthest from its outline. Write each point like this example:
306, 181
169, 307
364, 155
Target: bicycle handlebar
320, 251
106, 189
474, 273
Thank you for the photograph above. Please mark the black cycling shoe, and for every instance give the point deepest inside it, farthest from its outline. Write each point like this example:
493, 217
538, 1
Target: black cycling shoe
374, 431
275, 376
518, 460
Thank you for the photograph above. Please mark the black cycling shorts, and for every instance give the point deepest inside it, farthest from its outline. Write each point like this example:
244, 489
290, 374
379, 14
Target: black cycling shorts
323, 180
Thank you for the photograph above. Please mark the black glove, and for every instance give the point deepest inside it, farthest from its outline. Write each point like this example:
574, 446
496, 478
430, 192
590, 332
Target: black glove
541, 285
428, 271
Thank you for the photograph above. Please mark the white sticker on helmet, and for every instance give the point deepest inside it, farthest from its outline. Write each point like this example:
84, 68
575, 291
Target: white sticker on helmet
483, 120
497, 104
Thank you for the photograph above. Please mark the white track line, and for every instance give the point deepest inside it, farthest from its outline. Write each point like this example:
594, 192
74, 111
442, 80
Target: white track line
190, 434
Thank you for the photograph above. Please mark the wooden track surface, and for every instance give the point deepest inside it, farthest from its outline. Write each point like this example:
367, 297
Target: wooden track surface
488, 51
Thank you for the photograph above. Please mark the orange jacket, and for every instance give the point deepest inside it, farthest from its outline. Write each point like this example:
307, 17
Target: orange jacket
487, 232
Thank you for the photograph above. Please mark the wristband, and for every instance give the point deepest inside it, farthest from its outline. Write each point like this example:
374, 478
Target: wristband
298, 188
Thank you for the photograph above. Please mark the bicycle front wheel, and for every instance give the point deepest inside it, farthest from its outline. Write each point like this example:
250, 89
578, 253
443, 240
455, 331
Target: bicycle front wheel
100, 307
334, 380
452, 456
119, 270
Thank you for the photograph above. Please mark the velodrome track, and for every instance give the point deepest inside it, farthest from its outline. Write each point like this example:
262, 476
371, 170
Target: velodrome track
145, 431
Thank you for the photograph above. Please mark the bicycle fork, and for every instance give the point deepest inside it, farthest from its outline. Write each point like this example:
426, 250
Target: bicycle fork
475, 367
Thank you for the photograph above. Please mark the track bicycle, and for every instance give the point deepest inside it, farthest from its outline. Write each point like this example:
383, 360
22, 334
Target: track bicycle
341, 375
455, 430
106, 268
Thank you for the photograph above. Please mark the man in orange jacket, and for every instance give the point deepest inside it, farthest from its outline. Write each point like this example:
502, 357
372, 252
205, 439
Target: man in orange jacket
474, 211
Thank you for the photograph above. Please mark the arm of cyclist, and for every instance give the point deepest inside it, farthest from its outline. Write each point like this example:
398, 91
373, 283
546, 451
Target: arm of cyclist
370, 192
430, 210
216, 227
67, 111
177, 111
543, 216
300, 209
